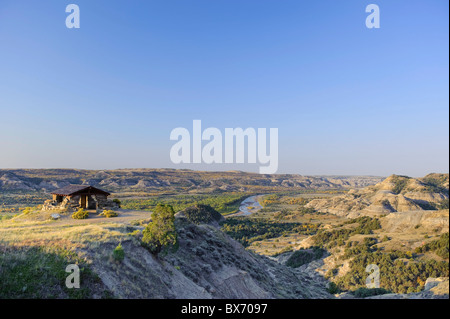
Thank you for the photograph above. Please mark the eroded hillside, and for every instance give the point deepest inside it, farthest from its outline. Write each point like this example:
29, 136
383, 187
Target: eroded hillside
206, 264
394, 194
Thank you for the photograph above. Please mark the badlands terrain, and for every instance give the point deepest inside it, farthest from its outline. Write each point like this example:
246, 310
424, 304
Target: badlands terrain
304, 237
170, 180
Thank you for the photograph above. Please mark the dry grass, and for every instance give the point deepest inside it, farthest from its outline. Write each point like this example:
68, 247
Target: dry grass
36, 229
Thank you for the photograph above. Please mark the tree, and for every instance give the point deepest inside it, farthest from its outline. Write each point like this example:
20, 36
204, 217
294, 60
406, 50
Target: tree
160, 233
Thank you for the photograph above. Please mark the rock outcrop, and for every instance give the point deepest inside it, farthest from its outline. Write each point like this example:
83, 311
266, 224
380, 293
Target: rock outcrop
429, 221
394, 194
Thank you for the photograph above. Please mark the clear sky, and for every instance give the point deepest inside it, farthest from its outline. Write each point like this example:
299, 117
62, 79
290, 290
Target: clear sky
346, 99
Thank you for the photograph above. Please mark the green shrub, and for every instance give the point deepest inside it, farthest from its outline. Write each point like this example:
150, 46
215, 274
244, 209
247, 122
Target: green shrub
225, 203
332, 272
109, 213
160, 233
303, 256
118, 253
333, 288
443, 204
202, 214
439, 246
400, 183
117, 201
27, 210
368, 292
337, 237
80, 214
6, 217
397, 276
247, 230
135, 233
437, 183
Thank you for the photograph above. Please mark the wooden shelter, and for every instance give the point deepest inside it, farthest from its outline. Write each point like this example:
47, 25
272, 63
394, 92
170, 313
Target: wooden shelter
83, 196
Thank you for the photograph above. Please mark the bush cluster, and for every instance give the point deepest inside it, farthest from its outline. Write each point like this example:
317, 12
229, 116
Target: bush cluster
225, 203
304, 256
202, 214
337, 237
80, 214
117, 201
439, 246
248, 230
399, 273
109, 213
368, 292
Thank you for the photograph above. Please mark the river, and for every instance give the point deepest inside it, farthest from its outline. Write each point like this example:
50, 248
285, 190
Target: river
248, 206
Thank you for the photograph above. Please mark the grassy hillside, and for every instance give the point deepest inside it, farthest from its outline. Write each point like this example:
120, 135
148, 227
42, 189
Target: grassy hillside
205, 264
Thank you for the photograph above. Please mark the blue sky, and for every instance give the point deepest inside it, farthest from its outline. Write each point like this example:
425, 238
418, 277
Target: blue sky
346, 99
